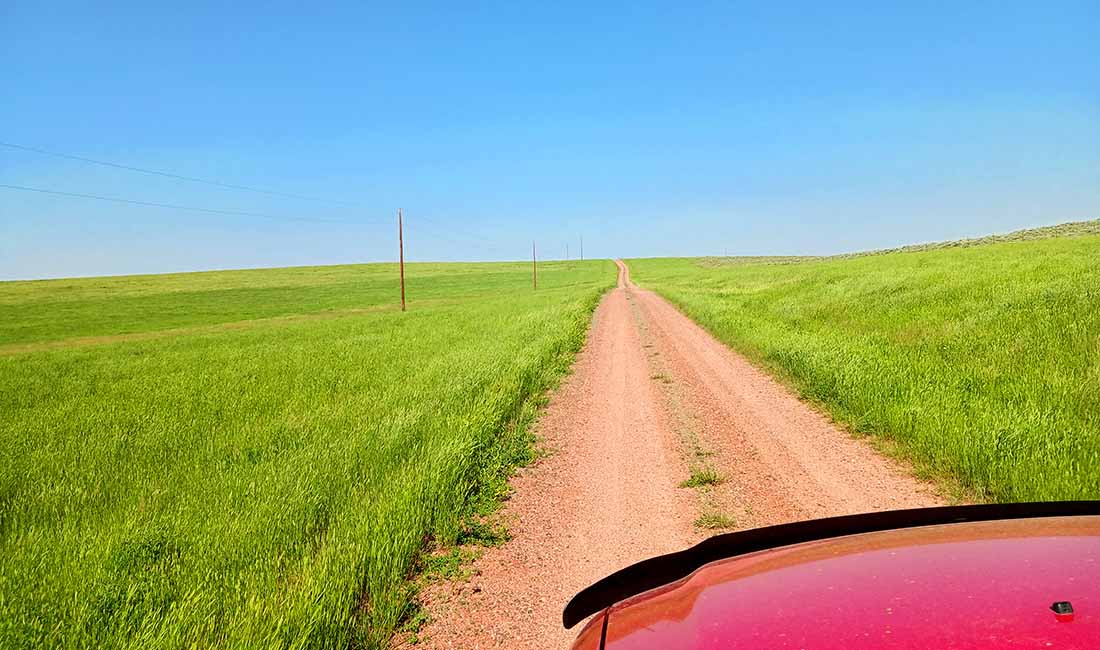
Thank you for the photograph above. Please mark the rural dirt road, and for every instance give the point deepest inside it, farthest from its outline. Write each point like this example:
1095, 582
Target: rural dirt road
652, 397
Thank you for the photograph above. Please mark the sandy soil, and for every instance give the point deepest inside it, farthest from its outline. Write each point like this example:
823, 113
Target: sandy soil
651, 394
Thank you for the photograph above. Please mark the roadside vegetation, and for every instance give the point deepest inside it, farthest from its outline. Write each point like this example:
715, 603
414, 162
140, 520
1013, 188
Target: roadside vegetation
257, 458
980, 361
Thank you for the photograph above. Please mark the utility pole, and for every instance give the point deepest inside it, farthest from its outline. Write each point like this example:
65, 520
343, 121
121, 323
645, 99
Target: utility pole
534, 268
401, 254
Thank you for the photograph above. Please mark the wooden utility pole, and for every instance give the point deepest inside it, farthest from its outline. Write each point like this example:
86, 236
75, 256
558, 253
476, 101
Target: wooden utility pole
401, 254
534, 268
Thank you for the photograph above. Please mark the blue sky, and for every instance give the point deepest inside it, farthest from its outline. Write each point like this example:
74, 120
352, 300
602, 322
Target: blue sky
648, 129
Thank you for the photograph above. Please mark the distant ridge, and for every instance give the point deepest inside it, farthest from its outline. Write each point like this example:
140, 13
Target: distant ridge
1068, 229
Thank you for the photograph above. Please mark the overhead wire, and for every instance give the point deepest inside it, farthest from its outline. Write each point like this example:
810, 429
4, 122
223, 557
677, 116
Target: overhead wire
454, 239
411, 223
156, 172
463, 239
170, 206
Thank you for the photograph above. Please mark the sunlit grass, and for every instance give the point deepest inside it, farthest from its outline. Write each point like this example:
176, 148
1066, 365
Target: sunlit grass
268, 485
981, 363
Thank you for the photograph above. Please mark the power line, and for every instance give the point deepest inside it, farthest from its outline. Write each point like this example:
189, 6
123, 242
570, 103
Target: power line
156, 172
461, 240
456, 240
168, 205
457, 245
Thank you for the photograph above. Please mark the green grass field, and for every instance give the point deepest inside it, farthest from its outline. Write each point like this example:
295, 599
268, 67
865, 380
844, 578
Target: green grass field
981, 362
254, 458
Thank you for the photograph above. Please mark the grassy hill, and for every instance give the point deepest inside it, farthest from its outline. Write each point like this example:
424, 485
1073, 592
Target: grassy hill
979, 360
255, 458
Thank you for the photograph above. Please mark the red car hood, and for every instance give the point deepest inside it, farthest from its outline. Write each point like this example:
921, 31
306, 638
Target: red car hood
967, 586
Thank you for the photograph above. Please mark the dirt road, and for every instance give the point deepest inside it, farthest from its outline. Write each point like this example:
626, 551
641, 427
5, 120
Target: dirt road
652, 399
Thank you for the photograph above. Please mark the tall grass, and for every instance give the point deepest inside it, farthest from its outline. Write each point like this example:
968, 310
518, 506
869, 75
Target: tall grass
267, 485
982, 363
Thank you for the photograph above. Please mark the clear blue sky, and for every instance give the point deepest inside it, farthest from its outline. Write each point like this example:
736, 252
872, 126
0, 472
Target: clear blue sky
815, 127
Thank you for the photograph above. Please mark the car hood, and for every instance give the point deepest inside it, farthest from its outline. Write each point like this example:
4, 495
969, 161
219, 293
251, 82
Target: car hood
967, 586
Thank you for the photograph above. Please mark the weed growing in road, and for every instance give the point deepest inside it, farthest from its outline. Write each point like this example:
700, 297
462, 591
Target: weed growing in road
702, 476
715, 520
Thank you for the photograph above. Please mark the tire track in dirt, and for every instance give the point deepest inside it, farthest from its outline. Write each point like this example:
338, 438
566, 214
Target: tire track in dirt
605, 497
648, 385
781, 459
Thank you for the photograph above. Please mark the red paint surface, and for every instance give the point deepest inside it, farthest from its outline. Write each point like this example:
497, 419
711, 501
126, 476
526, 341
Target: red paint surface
977, 586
